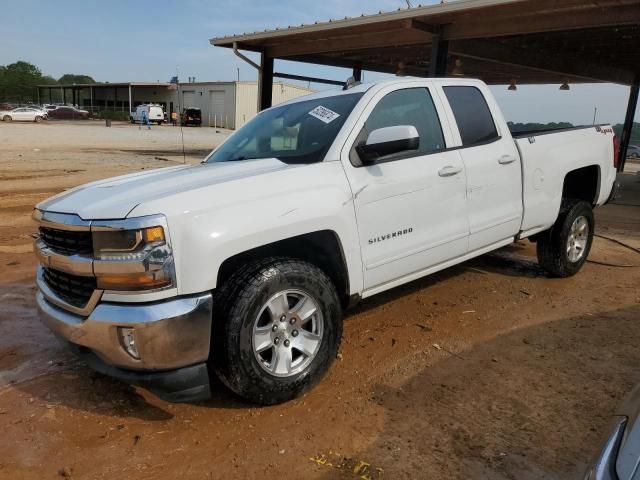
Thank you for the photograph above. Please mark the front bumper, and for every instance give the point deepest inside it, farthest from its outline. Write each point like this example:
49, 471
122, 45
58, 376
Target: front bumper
172, 338
186, 384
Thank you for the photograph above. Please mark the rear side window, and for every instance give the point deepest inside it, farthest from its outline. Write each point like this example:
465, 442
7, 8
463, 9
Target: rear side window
473, 116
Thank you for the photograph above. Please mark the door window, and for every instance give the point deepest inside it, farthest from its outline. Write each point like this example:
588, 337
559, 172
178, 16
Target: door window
472, 114
410, 106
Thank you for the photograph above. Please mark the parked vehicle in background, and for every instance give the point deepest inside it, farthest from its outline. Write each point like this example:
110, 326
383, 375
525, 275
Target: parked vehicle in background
41, 110
154, 113
192, 116
619, 457
241, 266
23, 114
633, 151
68, 113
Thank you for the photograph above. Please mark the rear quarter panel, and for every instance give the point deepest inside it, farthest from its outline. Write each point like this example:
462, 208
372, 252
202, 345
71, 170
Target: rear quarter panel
548, 158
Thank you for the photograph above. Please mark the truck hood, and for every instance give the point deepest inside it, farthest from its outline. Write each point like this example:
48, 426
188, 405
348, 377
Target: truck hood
115, 198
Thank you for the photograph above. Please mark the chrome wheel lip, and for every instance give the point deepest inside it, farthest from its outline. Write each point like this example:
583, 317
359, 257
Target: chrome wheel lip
578, 239
298, 329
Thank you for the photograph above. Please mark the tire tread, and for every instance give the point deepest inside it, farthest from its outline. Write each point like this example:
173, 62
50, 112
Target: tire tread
231, 303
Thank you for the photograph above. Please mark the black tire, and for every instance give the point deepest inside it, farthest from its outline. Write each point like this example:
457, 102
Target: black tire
552, 244
6, 118
237, 305
38, 119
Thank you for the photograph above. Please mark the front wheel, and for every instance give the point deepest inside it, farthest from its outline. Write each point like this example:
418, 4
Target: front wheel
6, 118
563, 250
38, 119
277, 329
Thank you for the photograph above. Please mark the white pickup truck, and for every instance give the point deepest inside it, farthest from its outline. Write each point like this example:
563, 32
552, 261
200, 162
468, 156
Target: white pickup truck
242, 266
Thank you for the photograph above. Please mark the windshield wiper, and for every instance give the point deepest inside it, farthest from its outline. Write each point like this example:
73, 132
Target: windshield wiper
237, 159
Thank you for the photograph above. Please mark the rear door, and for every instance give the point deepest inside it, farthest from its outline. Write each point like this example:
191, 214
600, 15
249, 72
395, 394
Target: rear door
492, 164
156, 113
410, 207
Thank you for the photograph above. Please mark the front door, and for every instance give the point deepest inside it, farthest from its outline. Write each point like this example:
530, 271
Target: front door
410, 207
22, 114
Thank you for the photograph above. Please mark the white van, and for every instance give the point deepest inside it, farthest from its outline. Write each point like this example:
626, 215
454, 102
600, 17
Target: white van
154, 113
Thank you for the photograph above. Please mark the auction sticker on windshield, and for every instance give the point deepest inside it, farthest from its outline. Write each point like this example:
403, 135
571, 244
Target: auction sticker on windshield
324, 114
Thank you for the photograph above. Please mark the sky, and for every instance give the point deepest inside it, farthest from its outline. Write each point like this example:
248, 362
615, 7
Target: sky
149, 40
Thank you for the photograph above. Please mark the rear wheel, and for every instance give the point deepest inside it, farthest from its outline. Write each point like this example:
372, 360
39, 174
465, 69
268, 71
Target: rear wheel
563, 250
7, 118
38, 119
277, 329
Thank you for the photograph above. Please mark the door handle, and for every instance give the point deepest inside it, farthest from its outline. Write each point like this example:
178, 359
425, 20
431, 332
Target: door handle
506, 159
449, 171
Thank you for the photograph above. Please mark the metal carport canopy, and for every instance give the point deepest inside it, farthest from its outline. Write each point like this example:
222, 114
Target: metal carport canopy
498, 41
531, 41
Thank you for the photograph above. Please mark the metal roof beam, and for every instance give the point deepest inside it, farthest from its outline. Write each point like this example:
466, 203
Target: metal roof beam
543, 61
539, 21
304, 78
375, 39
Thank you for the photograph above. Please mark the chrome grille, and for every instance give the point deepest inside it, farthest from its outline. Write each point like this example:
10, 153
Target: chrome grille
66, 241
73, 289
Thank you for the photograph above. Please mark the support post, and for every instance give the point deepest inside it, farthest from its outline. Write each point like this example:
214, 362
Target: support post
439, 54
50, 100
130, 100
265, 82
115, 98
38, 91
628, 122
357, 74
64, 95
91, 98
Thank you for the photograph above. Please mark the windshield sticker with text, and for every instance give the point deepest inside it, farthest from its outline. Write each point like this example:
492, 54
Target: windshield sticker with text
324, 114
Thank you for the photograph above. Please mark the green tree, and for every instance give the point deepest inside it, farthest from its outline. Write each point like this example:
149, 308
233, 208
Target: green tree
70, 78
18, 81
635, 132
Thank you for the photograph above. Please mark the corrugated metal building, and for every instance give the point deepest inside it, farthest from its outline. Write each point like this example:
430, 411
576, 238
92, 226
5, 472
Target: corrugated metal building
232, 104
223, 104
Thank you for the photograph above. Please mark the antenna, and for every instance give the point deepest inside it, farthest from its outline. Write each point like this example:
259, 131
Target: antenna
409, 3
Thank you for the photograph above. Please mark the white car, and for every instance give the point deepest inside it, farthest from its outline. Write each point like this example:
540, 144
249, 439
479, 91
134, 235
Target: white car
242, 266
43, 111
23, 114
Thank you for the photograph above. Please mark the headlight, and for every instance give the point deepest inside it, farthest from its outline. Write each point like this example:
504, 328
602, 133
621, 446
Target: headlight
132, 259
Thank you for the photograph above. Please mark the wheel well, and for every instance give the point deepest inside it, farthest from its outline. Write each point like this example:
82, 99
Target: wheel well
583, 183
323, 249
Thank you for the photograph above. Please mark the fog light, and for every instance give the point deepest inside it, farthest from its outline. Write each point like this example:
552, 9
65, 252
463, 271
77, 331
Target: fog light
128, 341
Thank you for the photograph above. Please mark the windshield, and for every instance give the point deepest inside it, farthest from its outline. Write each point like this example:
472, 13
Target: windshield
300, 132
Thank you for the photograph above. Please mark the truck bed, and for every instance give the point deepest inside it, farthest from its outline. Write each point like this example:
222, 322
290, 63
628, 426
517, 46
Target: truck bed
548, 156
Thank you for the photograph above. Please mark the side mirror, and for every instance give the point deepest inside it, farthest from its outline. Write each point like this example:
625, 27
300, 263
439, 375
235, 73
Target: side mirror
387, 141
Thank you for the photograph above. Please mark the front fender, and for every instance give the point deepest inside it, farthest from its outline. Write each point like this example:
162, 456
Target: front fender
231, 218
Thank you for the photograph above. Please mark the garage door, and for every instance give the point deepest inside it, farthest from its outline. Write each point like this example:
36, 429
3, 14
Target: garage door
188, 99
217, 109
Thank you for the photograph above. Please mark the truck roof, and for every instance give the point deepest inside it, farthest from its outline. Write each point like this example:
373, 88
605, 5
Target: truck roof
364, 87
